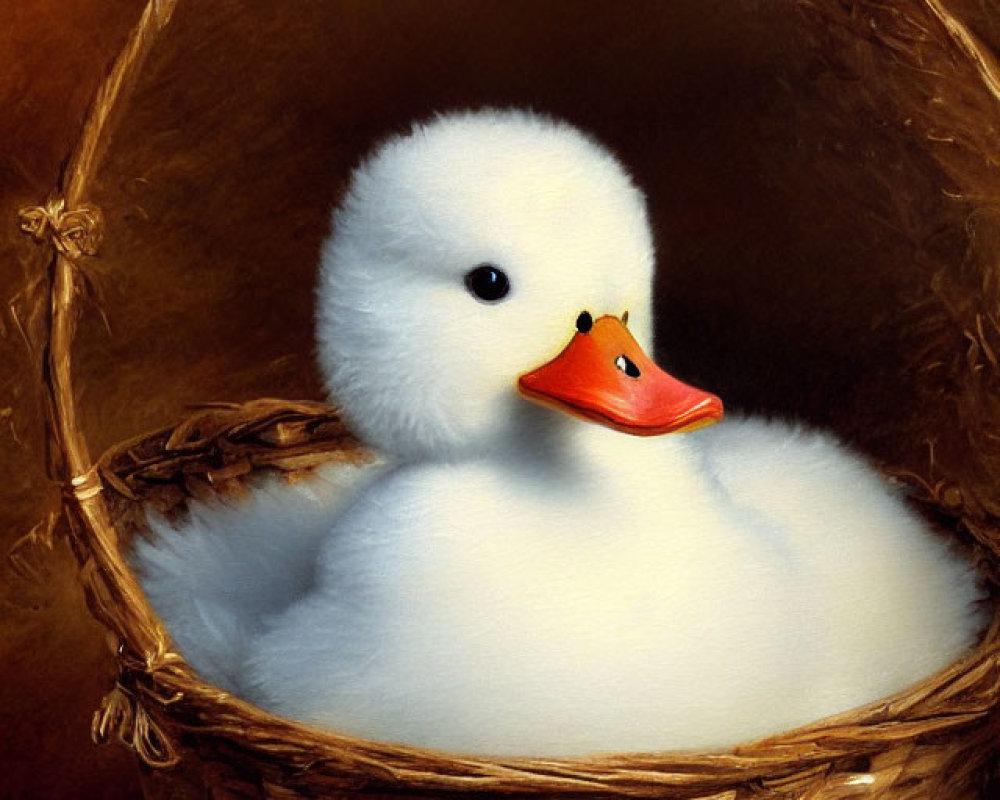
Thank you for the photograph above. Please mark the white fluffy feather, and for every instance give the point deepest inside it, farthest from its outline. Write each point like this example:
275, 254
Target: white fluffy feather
651, 595
521, 582
217, 576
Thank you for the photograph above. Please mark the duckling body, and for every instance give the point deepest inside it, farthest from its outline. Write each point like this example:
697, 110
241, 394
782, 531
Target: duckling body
521, 581
479, 607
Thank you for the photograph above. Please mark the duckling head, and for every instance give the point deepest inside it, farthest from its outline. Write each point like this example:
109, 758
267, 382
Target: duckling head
481, 261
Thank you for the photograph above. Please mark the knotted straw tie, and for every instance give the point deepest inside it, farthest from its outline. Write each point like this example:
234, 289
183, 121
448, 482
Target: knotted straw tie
73, 233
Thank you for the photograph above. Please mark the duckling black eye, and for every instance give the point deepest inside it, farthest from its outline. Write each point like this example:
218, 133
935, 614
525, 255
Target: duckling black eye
487, 283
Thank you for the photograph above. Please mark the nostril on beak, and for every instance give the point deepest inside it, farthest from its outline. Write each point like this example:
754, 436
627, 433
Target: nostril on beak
584, 322
626, 365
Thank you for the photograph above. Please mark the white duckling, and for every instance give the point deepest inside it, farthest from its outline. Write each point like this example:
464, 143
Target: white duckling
521, 581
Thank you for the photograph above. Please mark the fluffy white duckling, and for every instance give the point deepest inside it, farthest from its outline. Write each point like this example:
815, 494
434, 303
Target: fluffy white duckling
522, 581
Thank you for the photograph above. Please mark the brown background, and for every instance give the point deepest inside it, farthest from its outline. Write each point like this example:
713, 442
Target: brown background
55, 663
799, 221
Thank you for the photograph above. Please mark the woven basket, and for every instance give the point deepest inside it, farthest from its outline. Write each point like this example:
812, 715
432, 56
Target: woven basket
939, 89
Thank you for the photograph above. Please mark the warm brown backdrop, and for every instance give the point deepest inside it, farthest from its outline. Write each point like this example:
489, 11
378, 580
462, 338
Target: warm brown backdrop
798, 219
55, 663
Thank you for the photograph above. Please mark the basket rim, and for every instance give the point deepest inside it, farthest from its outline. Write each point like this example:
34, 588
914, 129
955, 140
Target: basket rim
956, 697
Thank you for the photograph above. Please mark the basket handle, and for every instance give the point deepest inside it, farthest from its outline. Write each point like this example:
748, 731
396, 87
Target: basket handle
73, 230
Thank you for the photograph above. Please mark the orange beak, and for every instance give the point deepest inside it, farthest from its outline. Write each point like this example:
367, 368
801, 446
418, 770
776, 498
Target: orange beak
604, 376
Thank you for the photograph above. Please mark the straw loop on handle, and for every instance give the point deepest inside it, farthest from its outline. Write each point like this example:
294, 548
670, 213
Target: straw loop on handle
74, 232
